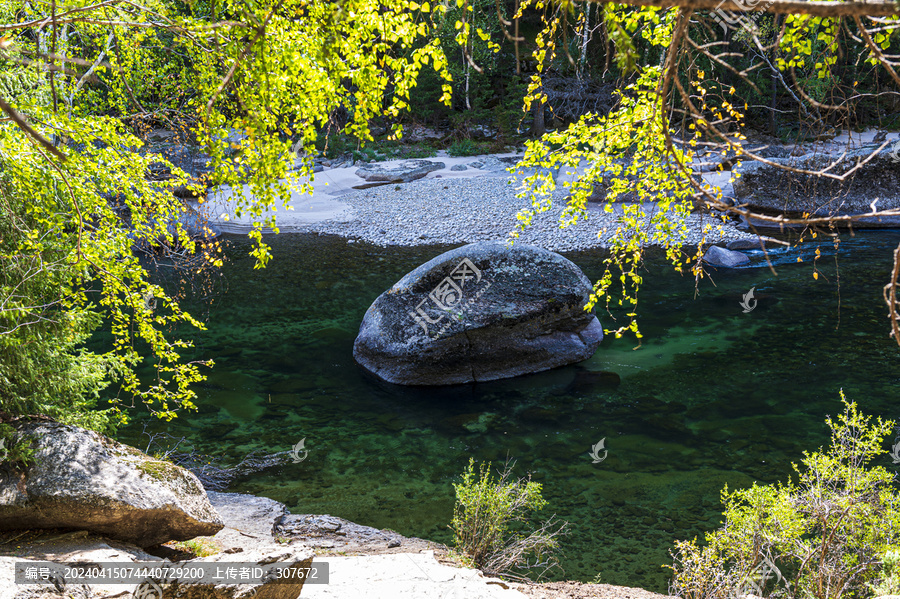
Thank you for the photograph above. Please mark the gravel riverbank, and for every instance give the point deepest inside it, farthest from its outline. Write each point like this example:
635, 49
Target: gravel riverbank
465, 200
482, 208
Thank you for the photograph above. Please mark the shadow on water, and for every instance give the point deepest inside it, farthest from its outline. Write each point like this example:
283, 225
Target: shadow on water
714, 396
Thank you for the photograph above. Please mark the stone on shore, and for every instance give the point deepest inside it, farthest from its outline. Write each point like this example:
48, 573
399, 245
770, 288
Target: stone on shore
481, 312
262, 524
774, 190
248, 513
405, 172
82, 480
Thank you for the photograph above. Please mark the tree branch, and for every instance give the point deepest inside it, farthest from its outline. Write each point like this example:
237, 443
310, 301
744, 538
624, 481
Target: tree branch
816, 8
19, 120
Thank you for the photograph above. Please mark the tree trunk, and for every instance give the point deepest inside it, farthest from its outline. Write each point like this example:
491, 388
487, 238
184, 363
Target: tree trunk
773, 98
538, 128
468, 69
584, 38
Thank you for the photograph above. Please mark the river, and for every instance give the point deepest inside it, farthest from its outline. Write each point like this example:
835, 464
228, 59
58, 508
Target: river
714, 396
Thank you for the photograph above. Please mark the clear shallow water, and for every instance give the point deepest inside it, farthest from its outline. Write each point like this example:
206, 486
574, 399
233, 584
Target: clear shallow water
714, 396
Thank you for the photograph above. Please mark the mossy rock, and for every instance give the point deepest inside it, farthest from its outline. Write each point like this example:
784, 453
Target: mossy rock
83, 480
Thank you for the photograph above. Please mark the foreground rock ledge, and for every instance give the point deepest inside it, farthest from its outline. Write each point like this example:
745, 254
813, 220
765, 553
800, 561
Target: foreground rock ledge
482, 312
93, 552
83, 480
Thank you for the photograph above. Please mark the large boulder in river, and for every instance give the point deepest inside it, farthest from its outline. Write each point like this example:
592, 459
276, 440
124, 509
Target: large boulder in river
80, 479
481, 312
771, 189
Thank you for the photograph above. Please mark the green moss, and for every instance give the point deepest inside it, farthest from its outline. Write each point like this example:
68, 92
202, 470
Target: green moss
198, 547
122, 450
160, 470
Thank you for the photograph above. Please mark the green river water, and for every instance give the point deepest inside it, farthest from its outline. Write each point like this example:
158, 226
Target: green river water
714, 396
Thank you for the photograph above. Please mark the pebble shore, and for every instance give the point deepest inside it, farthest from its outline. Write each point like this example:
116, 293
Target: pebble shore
483, 208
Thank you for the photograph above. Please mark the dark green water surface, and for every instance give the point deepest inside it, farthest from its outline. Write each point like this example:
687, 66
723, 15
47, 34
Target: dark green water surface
714, 396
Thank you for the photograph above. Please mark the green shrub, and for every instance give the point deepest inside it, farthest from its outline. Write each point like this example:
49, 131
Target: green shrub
15, 449
424, 150
822, 537
490, 524
368, 154
509, 113
889, 578
465, 147
333, 145
44, 368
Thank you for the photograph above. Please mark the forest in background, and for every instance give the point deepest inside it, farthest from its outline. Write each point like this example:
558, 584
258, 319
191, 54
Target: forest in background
251, 83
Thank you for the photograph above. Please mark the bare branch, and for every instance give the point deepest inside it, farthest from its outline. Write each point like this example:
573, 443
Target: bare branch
19, 120
817, 8
890, 297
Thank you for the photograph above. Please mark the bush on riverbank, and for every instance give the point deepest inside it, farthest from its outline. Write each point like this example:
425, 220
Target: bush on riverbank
824, 536
43, 368
489, 524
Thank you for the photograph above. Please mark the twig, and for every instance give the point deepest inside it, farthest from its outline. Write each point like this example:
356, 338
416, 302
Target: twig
19, 120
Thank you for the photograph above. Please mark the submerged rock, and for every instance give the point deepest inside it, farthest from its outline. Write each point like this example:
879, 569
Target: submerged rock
587, 381
719, 256
83, 480
742, 244
481, 312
